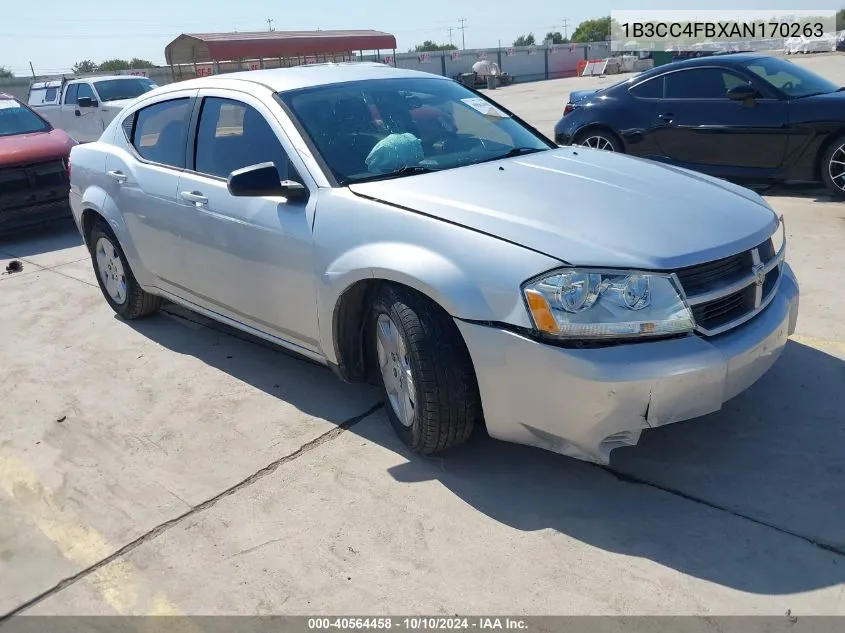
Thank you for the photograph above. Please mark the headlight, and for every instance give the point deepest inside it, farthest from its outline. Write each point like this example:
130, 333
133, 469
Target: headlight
600, 304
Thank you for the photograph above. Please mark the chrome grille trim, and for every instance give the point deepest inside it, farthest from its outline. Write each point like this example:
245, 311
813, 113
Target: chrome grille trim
757, 278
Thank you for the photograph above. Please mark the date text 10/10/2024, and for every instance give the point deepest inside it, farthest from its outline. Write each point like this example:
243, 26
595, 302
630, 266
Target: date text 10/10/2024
416, 623
721, 30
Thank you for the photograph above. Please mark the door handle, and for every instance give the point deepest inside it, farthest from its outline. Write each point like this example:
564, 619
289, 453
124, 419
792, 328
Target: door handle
193, 196
119, 176
78, 113
666, 117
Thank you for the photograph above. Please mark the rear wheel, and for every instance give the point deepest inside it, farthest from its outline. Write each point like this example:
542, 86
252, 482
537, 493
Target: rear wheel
599, 139
118, 284
424, 371
833, 167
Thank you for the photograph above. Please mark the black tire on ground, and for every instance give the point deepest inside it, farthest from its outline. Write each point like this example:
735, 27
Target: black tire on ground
446, 402
599, 138
835, 152
137, 303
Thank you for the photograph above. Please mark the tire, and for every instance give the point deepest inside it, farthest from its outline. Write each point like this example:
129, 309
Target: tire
117, 283
444, 400
832, 172
598, 139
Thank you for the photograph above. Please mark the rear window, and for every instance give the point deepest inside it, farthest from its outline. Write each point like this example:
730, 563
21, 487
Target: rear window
16, 118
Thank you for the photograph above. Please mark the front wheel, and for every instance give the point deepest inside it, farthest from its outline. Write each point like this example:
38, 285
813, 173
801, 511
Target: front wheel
598, 139
833, 167
424, 370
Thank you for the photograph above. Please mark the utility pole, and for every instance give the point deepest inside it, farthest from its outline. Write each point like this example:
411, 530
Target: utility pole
270, 24
565, 28
32, 70
463, 29
451, 28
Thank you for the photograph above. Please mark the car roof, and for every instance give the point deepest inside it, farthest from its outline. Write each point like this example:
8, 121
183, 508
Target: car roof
283, 79
5, 96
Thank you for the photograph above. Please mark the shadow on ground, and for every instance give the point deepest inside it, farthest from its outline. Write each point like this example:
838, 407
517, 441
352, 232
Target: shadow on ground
56, 236
310, 387
773, 455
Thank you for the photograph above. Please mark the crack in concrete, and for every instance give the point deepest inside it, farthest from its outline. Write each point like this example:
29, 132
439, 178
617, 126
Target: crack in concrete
160, 529
631, 479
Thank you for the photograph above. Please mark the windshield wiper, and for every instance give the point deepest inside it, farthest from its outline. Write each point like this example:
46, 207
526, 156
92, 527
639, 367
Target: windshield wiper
408, 170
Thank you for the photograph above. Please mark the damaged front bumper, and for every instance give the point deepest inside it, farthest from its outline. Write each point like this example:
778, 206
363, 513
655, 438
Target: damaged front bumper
585, 402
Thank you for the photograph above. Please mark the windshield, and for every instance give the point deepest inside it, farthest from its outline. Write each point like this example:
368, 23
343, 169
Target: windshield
18, 119
378, 128
117, 89
793, 80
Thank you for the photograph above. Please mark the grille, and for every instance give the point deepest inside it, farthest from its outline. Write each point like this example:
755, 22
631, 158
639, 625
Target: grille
30, 189
729, 291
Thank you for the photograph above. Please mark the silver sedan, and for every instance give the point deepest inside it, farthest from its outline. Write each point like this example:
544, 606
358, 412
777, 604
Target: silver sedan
403, 229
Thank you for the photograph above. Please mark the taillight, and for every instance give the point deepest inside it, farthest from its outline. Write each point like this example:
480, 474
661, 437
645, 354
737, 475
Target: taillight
569, 108
67, 167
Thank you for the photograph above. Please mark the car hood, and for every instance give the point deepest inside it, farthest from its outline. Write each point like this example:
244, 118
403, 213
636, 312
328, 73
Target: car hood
117, 105
21, 149
590, 207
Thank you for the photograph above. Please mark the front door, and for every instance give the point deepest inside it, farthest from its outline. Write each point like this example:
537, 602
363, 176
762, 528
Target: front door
696, 124
250, 258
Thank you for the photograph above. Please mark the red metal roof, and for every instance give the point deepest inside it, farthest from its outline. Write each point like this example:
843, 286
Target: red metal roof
207, 47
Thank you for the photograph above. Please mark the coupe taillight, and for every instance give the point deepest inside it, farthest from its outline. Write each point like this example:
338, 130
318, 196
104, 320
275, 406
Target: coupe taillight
568, 108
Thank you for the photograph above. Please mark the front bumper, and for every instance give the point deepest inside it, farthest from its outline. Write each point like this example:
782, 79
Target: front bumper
585, 402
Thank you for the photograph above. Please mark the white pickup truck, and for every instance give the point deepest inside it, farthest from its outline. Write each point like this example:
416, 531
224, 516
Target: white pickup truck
84, 107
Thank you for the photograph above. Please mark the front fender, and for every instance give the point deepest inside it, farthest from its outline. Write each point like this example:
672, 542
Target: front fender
429, 272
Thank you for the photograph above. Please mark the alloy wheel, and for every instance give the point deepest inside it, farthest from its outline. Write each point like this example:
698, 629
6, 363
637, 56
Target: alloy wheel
598, 142
836, 167
110, 269
395, 369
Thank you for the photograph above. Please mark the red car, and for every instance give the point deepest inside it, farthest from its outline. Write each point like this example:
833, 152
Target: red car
33, 167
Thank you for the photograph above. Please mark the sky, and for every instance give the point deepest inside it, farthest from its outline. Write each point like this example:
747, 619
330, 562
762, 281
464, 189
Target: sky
54, 34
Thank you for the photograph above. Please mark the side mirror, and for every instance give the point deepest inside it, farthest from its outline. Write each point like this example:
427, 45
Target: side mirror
86, 102
263, 180
744, 93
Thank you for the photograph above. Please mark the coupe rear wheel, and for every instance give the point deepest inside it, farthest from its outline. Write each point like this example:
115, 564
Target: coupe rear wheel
598, 139
119, 286
833, 167
424, 371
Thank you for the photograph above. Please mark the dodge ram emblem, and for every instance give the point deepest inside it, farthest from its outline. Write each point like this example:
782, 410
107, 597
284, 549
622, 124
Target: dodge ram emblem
759, 271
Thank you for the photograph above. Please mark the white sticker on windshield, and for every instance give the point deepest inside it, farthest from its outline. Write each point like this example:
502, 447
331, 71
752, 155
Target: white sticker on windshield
487, 109
9, 104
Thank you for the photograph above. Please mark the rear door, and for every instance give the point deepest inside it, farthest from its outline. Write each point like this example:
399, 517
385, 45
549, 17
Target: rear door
696, 124
144, 168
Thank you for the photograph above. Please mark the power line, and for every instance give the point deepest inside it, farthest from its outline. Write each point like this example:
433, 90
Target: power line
463, 29
451, 28
565, 28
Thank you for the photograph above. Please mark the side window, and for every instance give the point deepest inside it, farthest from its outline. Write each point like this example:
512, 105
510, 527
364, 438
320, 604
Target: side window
51, 95
232, 135
85, 91
701, 83
70, 94
160, 132
649, 89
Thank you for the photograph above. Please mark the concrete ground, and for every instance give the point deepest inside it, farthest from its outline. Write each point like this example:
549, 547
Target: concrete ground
173, 466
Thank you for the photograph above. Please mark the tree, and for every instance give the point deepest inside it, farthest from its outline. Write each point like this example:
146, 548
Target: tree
5, 73
525, 40
429, 46
556, 38
840, 19
84, 67
110, 65
136, 62
597, 30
